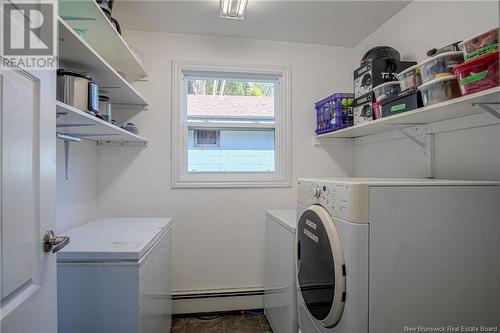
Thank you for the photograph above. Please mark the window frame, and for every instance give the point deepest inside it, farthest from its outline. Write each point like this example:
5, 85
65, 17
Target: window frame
281, 177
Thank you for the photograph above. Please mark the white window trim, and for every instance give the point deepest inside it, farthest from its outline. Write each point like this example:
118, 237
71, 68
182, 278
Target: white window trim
181, 178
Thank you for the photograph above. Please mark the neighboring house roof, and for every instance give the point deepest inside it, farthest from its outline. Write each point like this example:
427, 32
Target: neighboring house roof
208, 106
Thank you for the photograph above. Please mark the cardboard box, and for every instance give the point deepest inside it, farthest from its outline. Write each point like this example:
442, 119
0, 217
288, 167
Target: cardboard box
362, 109
374, 73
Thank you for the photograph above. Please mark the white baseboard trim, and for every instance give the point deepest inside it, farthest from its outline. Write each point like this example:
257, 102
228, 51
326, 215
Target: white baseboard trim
219, 300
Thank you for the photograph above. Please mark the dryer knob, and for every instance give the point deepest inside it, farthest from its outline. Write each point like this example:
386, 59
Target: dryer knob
317, 192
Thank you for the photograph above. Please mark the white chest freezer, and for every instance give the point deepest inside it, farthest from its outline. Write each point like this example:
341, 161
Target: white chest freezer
113, 277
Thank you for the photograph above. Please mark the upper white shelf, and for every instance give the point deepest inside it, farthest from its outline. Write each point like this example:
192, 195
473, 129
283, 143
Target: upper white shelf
76, 123
75, 54
86, 15
455, 108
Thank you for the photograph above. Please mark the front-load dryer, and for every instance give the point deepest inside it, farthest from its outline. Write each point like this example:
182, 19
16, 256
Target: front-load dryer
392, 255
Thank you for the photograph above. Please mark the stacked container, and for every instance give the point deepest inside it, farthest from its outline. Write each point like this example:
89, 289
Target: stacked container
440, 90
410, 78
478, 74
440, 65
480, 71
438, 82
480, 45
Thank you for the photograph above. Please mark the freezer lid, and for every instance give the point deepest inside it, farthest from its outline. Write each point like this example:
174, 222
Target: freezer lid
287, 218
113, 239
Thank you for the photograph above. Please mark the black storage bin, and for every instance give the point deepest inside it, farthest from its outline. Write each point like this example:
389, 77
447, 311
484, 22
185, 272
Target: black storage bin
407, 100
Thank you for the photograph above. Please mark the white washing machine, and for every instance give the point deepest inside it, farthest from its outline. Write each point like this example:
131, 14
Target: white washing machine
389, 255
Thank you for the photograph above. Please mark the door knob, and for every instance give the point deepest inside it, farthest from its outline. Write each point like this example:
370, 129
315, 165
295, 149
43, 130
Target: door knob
53, 243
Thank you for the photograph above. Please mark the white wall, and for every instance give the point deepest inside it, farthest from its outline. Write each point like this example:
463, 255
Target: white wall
77, 197
219, 233
465, 154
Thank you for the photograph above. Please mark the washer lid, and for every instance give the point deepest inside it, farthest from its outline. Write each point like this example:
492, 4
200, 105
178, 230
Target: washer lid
320, 266
287, 218
113, 239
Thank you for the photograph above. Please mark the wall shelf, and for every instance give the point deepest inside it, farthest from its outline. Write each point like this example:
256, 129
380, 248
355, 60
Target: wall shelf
74, 53
456, 108
78, 124
86, 14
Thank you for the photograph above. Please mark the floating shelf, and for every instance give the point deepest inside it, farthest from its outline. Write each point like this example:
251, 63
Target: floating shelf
86, 14
75, 54
455, 108
76, 123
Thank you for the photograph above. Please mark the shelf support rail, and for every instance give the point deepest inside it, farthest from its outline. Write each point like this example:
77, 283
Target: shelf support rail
486, 107
67, 139
427, 144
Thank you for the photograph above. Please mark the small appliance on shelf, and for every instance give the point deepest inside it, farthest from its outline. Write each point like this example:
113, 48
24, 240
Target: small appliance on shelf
77, 89
107, 7
105, 108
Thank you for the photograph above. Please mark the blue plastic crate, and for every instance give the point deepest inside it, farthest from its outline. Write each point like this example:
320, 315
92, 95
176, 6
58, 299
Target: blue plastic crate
332, 114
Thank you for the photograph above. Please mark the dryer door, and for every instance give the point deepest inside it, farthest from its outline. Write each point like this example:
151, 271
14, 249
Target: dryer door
320, 266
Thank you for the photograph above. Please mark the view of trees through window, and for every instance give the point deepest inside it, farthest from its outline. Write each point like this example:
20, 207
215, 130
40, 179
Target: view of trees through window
230, 88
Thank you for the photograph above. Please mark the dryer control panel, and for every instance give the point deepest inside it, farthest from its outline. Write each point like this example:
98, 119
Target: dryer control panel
344, 200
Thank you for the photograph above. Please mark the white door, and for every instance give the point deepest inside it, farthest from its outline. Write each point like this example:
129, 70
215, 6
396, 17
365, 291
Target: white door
27, 201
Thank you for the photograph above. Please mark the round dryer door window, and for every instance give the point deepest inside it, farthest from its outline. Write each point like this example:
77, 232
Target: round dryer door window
320, 266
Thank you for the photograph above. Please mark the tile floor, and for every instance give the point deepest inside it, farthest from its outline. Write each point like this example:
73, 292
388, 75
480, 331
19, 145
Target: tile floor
230, 323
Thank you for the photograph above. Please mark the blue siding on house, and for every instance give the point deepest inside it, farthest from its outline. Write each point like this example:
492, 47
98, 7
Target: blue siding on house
239, 151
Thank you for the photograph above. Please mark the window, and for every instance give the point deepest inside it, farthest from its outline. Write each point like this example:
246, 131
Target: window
230, 126
206, 138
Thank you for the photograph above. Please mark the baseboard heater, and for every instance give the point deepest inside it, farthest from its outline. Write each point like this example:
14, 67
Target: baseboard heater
217, 300
218, 294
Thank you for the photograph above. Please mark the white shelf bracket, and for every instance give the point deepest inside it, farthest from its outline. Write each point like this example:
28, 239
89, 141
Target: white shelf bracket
430, 155
427, 144
122, 144
67, 139
420, 143
486, 107
332, 141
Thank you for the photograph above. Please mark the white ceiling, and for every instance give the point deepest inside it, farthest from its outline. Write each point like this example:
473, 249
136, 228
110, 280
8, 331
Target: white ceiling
338, 23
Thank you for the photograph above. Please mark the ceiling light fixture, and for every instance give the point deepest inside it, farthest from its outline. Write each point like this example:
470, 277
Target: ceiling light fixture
234, 9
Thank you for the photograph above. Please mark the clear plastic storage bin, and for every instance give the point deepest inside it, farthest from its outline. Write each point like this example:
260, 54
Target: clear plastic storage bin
440, 65
440, 90
479, 45
387, 89
410, 78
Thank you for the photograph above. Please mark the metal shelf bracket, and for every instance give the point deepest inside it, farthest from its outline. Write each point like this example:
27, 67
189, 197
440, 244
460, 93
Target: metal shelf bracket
427, 143
332, 141
67, 139
486, 107
122, 144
